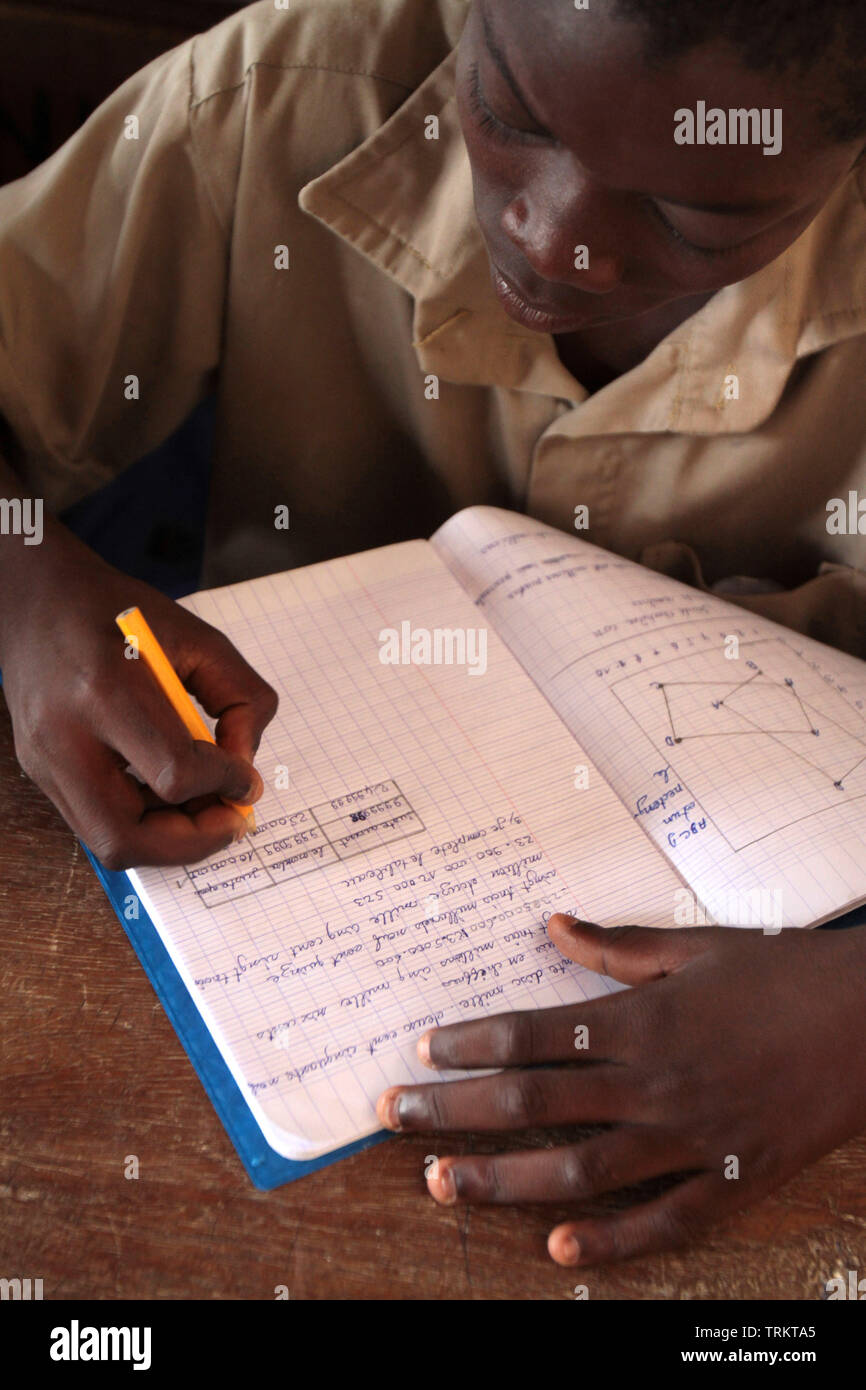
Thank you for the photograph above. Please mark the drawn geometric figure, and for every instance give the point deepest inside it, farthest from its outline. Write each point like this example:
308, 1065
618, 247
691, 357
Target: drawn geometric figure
758, 746
777, 708
761, 706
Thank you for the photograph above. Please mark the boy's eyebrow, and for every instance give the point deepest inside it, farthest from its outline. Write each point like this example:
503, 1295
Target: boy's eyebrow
499, 59
744, 209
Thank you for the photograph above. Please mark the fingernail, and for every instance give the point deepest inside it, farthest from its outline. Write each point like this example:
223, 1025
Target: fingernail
424, 1050
570, 1251
388, 1108
254, 790
441, 1184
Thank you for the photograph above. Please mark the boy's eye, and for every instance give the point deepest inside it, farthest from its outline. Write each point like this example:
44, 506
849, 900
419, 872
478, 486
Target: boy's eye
497, 126
508, 130
676, 235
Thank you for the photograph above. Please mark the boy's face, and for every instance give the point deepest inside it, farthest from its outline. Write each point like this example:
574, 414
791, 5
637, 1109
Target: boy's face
571, 141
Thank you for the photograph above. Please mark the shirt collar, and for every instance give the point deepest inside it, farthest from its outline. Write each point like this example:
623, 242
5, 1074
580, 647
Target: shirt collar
405, 201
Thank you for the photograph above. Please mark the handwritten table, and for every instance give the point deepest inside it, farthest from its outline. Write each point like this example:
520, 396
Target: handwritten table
300, 843
92, 1073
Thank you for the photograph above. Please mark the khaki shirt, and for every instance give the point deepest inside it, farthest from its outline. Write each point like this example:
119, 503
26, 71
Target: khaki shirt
306, 129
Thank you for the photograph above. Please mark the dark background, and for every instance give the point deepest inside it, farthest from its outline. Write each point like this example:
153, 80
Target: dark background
57, 63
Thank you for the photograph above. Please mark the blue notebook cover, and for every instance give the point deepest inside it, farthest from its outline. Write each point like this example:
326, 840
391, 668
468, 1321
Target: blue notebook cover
265, 1166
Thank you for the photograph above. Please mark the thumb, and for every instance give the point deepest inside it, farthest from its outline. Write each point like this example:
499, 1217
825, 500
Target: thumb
234, 694
632, 955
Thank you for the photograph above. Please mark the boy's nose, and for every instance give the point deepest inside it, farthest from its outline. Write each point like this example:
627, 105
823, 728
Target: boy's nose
558, 251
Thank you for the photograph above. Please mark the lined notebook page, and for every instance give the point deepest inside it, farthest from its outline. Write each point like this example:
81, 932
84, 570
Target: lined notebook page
419, 825
743, 760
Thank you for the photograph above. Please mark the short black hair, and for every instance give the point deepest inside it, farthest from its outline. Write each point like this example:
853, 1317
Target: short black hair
822, 37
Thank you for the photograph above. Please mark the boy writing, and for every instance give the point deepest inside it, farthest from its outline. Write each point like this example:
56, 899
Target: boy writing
432, 254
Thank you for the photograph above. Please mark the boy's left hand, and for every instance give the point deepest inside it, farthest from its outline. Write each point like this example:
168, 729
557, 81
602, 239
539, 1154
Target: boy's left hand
737, 1058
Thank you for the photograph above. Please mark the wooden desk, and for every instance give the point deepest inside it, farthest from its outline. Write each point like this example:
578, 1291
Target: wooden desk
92, 1071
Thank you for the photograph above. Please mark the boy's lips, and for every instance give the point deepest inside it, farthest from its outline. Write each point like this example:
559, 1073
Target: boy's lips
535, 316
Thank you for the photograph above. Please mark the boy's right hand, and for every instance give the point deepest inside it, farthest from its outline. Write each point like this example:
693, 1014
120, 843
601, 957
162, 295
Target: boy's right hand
82, 712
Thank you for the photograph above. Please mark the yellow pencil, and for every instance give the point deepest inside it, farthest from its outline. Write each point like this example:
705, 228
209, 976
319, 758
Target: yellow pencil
133, 624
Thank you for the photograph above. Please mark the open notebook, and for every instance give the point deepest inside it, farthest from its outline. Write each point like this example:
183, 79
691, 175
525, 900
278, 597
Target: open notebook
475, 732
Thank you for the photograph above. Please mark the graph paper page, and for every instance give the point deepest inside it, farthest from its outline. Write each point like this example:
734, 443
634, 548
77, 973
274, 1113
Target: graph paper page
738, 745
418, 826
